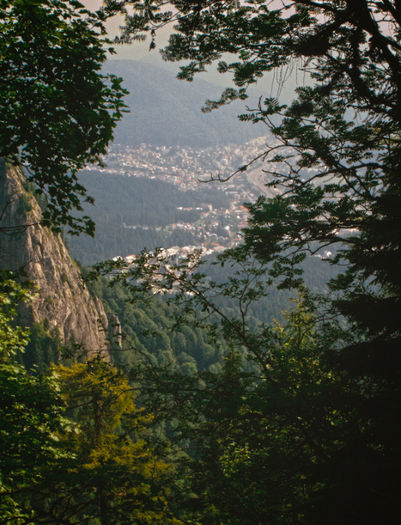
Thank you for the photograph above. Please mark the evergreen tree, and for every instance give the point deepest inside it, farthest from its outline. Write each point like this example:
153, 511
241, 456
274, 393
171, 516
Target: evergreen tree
112, 474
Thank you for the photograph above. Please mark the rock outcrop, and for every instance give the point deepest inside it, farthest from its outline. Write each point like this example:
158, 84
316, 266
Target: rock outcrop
63, 303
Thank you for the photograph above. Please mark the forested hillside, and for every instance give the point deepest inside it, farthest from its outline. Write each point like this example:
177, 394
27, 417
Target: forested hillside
150, 205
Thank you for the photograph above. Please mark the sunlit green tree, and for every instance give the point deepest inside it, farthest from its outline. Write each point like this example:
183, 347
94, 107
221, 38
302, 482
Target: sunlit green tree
30, 416
113, 476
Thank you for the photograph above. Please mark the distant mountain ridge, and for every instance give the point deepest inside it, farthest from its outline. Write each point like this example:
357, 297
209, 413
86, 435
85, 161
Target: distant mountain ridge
167, 111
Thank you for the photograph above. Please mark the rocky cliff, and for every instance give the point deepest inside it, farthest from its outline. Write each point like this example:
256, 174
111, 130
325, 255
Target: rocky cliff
63, 302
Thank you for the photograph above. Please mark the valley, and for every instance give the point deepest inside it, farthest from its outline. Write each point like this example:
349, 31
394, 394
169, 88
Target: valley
148, 196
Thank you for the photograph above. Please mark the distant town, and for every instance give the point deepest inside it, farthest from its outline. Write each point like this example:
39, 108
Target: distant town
204, 225
185, 166
189, 169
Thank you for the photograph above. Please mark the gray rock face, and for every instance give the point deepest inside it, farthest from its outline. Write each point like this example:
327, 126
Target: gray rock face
63, 302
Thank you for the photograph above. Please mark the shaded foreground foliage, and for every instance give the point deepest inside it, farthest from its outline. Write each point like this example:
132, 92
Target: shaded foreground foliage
301, 425
74, 446
338, 164
58, 110
73, 443
256, 431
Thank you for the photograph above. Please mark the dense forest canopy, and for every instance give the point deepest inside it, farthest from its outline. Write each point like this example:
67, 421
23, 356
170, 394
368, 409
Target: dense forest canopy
299, 423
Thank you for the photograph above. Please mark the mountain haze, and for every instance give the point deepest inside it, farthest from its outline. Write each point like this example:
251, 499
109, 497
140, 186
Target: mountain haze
167, 111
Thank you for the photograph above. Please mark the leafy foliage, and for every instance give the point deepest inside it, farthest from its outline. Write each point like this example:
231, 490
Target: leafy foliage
337, 164
57, 109
151, 334
13, 339
113, 475
259, 450
30, 414
74, 446
301, 424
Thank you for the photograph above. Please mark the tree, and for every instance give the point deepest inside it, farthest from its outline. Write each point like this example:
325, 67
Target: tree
336, 158
259, 434
264, 438
112, 475
30, 415
57, 109
74, 446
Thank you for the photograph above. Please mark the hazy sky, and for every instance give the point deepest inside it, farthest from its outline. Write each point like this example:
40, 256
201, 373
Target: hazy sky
140, 51
135, 51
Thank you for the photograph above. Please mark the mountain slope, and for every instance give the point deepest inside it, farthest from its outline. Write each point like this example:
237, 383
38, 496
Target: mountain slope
63, 303
167, 111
